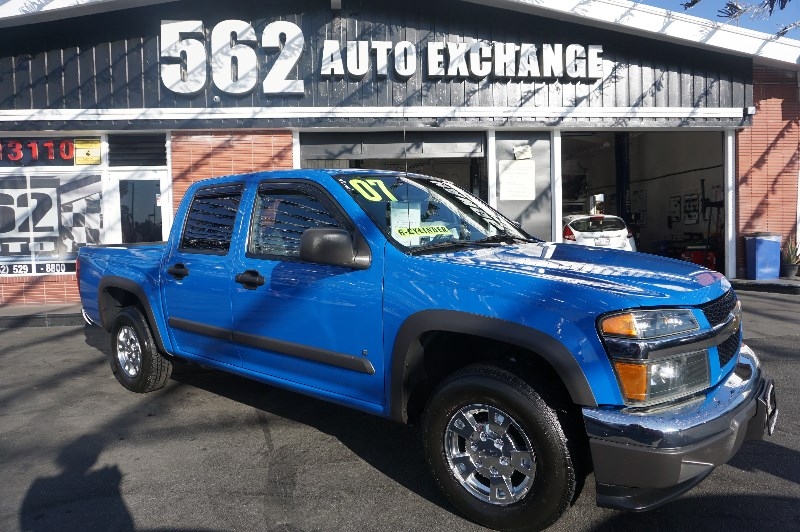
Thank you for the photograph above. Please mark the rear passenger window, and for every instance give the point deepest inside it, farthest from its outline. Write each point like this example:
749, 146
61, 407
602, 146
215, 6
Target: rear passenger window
209, 223
281, 216
596, 225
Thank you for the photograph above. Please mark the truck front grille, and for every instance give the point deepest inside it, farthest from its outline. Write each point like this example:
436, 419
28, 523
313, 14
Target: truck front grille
717, 311
727, 349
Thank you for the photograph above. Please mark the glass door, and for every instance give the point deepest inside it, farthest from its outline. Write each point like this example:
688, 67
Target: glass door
140, 210
138, 206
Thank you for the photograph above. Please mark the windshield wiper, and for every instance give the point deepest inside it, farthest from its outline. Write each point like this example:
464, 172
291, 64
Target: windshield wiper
503, 238
441, 246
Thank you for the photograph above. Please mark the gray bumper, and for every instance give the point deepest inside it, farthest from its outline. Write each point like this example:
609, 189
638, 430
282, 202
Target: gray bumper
643, 459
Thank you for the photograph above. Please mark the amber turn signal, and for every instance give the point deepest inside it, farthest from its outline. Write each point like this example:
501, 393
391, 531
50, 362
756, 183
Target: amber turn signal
632, 380
619, 325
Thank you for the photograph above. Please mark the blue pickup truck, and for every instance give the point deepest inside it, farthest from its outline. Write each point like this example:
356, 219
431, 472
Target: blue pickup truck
526, 363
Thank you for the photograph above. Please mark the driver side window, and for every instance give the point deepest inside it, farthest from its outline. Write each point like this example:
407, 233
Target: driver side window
282, 214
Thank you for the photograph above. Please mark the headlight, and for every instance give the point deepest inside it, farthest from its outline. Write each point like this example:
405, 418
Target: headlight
645, 379
646, 324
650, 381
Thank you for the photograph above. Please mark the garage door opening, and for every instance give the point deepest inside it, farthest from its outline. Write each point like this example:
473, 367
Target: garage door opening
667, 186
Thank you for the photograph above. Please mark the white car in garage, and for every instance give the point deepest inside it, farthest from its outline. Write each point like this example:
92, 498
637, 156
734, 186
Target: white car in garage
601, 230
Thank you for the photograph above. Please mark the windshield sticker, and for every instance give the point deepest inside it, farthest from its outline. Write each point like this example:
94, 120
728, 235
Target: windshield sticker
372, 189
405, 214
423, 231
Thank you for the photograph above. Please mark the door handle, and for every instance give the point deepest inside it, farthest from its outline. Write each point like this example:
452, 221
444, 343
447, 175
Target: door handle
250, 279
178, 271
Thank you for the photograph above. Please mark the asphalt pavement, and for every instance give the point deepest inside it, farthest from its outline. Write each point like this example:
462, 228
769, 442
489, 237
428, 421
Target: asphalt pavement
215, 452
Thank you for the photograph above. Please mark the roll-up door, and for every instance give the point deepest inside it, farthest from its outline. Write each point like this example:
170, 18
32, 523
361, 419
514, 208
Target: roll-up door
392, 145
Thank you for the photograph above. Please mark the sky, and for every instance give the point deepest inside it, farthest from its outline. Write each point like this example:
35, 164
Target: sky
708, 9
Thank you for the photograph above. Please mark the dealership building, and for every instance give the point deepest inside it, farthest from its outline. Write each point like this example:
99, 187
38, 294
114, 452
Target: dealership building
688, 129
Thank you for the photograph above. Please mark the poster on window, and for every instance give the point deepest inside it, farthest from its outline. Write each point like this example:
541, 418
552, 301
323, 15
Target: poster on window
675, 209
45, 219
691, 209
639, 207
517, 180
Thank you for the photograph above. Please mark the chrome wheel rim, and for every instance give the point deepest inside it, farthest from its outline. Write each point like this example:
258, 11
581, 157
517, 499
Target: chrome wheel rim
129, 351
489, 454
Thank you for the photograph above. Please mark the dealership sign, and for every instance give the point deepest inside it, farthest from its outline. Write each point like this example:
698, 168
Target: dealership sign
231, 50
44, 219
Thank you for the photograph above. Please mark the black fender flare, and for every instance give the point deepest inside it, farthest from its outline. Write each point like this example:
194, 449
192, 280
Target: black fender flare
108, 311
407, 353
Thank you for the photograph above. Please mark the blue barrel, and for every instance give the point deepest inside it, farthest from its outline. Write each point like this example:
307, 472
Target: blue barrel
763, 252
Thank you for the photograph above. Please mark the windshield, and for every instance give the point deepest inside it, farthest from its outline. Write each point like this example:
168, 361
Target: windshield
424, 213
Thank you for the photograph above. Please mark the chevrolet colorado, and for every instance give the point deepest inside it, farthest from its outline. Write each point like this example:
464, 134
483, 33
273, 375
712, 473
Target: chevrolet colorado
527, 363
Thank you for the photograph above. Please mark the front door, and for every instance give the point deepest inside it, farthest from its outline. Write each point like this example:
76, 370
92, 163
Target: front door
315, 325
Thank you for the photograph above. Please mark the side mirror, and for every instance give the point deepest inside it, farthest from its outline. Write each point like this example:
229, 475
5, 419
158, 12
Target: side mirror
334, 246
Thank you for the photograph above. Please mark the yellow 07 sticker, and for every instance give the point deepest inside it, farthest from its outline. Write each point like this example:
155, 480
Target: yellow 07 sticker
367, 188
423, 231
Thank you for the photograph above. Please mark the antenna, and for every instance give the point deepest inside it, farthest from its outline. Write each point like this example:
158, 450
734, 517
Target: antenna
405, 144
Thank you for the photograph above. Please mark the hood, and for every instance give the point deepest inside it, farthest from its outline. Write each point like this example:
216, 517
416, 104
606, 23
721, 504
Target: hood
647, 280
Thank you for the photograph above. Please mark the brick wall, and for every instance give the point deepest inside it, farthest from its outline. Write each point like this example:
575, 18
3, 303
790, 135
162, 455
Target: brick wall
38, 290
199, 155
768, 160
194, 156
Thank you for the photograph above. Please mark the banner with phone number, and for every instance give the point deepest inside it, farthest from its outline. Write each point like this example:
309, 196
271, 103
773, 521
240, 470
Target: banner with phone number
45, 219
39, 152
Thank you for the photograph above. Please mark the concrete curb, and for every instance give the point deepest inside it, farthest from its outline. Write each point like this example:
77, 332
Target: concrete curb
776, 286
41, 320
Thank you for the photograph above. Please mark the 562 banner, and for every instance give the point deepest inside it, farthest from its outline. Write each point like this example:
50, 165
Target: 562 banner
45, 219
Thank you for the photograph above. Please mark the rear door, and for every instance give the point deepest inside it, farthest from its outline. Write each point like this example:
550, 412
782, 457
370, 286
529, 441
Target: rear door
315, 325
197, 280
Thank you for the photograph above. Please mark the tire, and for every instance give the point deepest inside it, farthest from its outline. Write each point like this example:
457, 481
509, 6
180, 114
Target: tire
135, 361
497, 450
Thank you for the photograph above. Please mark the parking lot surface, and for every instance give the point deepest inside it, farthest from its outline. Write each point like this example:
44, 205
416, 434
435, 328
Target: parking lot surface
215, 452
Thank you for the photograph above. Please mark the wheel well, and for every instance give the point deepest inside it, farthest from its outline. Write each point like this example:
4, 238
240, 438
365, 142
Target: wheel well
116, 299
443, 352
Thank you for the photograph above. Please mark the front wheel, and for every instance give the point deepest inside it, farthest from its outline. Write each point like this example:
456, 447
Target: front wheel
497, 450
135, 361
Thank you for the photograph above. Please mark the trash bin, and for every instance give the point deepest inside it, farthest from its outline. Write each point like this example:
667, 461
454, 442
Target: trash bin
763, 252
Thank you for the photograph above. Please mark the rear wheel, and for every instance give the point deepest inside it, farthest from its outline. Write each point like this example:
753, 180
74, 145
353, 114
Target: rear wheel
497, 450
135, 361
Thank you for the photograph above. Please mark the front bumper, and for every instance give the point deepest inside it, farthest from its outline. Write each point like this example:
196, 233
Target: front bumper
645, 458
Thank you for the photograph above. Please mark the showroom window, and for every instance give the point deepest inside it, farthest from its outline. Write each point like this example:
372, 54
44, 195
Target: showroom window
58, 193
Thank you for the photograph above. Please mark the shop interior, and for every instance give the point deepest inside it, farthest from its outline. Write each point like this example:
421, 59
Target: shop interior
667, 186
